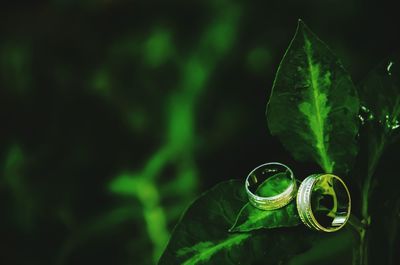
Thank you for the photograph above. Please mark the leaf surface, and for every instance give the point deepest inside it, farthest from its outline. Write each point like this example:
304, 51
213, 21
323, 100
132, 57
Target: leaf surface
380, 114
380, 111
250, 218
202, 237
313, 107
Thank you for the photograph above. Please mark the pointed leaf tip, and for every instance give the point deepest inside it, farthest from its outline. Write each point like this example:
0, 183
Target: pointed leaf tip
314, 105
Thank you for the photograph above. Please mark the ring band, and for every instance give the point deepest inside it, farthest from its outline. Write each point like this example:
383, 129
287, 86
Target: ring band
324, 202
259, 175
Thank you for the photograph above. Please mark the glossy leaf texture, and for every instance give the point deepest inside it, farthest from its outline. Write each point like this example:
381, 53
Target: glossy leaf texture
314, 106
250, 218
380, 111
202, 237
380, 114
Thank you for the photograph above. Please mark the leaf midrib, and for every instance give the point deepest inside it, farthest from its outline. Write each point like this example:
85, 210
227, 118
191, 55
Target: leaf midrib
326, 163
207, 253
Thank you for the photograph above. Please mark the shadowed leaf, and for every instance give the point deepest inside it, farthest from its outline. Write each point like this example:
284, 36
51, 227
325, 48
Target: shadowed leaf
380, 112
202, 237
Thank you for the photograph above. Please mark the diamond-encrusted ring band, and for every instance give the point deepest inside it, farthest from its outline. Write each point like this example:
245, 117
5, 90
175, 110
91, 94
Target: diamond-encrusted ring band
260, 175
324, 202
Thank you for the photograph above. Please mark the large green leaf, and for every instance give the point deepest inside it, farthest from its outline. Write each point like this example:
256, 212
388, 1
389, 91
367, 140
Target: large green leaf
202, 237
314, 106
380, 98
380, 112
250, 218
380, 94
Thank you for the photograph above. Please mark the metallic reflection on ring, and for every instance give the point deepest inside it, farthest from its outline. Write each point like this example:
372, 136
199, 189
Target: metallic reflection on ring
324, 202
258, 176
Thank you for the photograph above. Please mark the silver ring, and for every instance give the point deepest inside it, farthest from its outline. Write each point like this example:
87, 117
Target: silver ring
259, 175
324, 202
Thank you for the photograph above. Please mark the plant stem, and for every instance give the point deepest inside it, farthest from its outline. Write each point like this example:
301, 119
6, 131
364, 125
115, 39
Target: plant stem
363, 246
359, 227
365, 195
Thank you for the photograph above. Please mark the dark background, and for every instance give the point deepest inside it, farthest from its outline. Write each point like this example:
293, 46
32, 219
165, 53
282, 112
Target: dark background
116, 114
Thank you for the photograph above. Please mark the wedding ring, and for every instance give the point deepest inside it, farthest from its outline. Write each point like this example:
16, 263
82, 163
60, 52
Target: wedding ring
280, 196
324, 202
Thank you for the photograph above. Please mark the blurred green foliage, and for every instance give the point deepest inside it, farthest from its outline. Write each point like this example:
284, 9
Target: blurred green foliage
116, 114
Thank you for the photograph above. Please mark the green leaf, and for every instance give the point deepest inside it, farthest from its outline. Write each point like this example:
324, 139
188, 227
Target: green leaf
314, 106
380, 99
202, 237
250, 218
380, 94
203, 231
329, 249
380, 112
